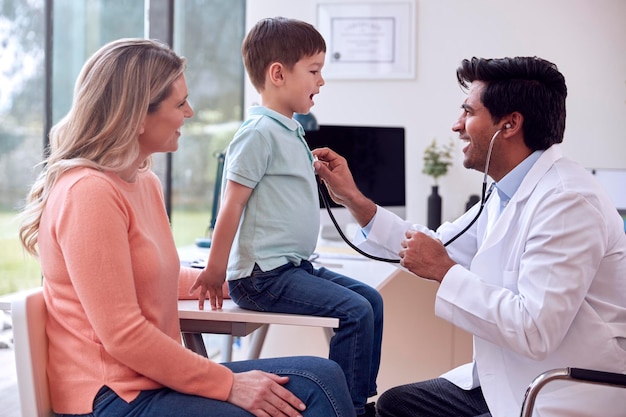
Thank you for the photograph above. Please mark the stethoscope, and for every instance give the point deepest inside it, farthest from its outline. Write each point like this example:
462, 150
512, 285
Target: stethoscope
483, 200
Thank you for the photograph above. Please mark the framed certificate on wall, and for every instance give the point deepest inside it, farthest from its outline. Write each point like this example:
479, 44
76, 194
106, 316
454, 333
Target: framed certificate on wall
368, 40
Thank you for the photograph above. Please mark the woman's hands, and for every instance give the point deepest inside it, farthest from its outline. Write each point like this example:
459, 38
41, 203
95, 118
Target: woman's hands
263, 395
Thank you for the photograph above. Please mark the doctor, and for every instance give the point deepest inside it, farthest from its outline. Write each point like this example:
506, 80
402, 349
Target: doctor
539, 278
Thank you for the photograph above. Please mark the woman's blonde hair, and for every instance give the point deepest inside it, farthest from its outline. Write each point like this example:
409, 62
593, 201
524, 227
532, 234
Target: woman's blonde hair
118, 86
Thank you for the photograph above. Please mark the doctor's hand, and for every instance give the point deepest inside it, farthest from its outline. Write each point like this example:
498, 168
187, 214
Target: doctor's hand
333, 169
424, 256
211, 282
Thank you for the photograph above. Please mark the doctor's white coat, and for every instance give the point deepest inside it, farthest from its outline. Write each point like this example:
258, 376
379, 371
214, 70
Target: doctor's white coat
542, 286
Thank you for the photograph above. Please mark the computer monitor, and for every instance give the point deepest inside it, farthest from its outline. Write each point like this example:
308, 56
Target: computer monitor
375, 156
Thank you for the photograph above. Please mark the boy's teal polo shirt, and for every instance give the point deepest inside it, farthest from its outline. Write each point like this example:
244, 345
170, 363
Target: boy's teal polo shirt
280, 222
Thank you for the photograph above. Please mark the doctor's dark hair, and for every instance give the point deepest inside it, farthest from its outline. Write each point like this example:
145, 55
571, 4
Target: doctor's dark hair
531, 86
278, 39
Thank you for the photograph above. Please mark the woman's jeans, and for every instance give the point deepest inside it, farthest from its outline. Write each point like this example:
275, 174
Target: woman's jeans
318, 382
356, 345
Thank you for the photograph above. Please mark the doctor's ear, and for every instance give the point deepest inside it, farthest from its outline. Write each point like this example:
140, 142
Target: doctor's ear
513, 122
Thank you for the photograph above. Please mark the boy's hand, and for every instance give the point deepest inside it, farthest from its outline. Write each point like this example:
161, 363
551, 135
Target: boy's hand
213, 283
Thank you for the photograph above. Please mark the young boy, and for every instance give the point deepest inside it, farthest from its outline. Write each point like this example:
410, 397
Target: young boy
270, 210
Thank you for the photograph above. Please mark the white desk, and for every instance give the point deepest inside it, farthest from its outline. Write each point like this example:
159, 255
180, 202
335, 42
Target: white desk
235, 321
344, 260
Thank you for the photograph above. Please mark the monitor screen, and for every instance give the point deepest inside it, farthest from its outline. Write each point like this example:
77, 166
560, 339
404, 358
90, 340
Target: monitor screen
375, 156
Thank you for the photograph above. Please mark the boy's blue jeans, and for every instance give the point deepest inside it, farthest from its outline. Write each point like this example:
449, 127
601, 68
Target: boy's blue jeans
318, 382
356, 345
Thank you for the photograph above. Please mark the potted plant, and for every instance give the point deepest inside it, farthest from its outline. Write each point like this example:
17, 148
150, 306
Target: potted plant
437, 160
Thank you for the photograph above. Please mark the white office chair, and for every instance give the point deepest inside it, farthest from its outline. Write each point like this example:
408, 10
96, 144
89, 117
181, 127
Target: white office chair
31, 354
588, 376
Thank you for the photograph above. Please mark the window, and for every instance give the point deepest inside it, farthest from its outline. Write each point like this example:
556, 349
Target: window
21, 130
208, 32
79, 28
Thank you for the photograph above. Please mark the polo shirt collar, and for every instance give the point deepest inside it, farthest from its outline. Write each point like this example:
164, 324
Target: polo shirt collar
286, 122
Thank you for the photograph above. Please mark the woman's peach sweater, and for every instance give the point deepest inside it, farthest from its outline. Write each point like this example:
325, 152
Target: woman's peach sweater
112, 278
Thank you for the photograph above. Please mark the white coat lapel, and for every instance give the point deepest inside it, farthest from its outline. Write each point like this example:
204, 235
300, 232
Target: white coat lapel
504, 225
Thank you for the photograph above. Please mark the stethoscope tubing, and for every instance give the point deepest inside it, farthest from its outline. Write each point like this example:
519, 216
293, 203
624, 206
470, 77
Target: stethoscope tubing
483, 201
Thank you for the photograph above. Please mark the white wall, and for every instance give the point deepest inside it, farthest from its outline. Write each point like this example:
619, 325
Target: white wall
585, 38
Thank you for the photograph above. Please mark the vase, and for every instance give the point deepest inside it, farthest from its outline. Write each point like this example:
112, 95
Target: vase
434, 208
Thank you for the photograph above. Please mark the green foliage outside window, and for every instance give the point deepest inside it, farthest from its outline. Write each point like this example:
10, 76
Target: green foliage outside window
207, 32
